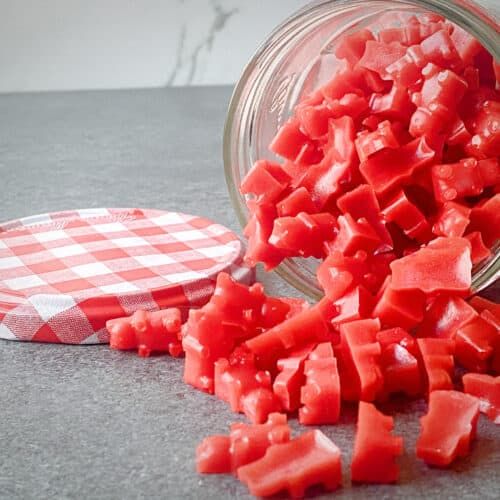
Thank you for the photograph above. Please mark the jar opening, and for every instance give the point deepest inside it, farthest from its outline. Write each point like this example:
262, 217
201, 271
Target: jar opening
297, 58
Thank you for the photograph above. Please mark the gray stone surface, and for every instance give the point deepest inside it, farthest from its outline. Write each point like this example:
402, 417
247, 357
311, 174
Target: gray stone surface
88, 422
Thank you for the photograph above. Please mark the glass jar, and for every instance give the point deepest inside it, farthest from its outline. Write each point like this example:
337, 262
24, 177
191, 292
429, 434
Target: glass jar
297, 58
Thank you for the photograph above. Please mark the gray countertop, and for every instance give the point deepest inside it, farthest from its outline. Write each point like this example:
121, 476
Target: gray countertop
88, 422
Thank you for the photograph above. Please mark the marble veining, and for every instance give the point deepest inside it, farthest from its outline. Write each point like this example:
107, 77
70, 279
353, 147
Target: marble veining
90, 44
188, 60
216, 50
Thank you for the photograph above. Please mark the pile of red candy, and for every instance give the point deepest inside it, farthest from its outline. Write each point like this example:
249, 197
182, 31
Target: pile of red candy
390, 176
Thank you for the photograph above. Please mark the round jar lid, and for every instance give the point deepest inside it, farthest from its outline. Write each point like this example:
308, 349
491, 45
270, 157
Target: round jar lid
63, 275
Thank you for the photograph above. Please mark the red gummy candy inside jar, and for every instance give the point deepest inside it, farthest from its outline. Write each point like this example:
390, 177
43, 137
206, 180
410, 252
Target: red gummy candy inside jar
390, 141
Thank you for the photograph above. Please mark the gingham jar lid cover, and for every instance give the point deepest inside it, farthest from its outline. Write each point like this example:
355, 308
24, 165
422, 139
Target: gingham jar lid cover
63, 275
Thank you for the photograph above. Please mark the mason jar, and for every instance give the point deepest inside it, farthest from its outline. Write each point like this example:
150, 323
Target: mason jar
298, 57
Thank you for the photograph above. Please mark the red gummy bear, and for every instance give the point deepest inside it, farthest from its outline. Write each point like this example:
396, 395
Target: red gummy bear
399, 363
368, 143
258, 230
375, 449
321, 393
442, 439
438, 363
438, 99
444, 265
310, 459
444, 316
355, 304
452, 220
487, 389
391, 168
404, 308
457, 180
407, 216
156, 331
360, 374
291, 378
239, 306
244, 387
266, 180
361, 203
246, 443
204, 342
337, 273
305, 327
303, 234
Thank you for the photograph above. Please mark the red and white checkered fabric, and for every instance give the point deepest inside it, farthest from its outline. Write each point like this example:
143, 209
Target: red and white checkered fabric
63, 275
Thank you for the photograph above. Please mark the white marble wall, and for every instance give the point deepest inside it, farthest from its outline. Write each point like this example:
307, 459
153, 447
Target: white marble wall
93, 44
89, 44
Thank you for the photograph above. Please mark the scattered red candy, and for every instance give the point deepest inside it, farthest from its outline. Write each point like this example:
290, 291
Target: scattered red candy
375, 449
391, 178
351, 47
308, 460
204, 342
490, 313
487, 389
448, 428
320, 394
289, 140
245, 444
378, 55
360, 373
296, 202
485, 143
438, 363
457, 180
234, 313
241, 308
389, 174
362, 203
305, 327
258, 230
437, 100
213, 455
399, 363
148, 332
393, 105
291, 378
244, 387
411, 34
